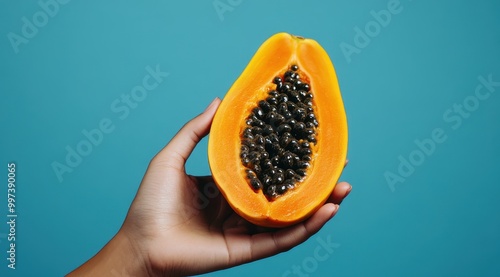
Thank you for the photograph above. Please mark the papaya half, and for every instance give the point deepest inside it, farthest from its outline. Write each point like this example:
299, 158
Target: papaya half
278, 141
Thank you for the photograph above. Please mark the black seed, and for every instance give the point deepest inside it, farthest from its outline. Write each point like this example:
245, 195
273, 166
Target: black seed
290, 184
278, 120
305, 151
249, 143
247, 131
280, 189
299, 127
244, 149
249, 121
258, 112
273, 93
305, 144
267, 180
271, 147
265, 106
301, 172
278, 178
294, 67
307, 158
259, 123
286, 87
309, 95
303, 164
254, 157
282, 108
256, 168
256, 130
291, 106
288, 73
260, 148
277, 80
283, 128
248, 136
308, 131
271, 172
259, 139
294, 146
294, 96
311, 138
298, 84
309, 124
270, 117
274, 138
271, 191
285, 139
289, 174
299, 114
267, 164
282, 98
254, 119
256, 184
288, 115
246, 161
267, 130
290, 80
267, 141
287, 160
250, 173
306, 87
291, 122
310, 117
275, 160
294, 75
272, 100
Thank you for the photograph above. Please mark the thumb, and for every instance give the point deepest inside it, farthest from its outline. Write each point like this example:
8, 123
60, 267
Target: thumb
175, 154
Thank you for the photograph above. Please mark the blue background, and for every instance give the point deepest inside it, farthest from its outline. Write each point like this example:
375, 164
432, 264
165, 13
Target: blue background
443, 220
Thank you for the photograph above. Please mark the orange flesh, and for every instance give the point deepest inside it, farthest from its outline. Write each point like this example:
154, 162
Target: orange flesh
273, 58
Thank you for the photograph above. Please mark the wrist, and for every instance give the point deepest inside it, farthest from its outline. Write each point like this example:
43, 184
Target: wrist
118, 257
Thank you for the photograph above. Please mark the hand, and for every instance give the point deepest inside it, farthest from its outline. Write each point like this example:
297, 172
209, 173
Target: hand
180, 224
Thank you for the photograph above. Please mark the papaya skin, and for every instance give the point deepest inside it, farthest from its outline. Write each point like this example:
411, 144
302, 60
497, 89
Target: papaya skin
273, 58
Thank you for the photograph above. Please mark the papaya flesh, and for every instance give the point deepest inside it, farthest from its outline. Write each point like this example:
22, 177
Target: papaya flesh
278, 141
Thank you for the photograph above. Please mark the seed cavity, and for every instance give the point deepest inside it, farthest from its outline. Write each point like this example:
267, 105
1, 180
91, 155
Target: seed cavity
278, 135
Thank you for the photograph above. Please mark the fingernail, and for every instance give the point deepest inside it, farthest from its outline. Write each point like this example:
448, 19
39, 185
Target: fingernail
348, 191
211, 104
335, 210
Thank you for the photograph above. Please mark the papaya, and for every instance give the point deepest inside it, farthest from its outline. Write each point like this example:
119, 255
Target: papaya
278, 141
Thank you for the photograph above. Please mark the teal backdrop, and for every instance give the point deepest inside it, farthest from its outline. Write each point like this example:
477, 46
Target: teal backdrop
420, 82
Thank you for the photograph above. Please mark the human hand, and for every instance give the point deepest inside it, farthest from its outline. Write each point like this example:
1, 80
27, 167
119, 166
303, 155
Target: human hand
180, 224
